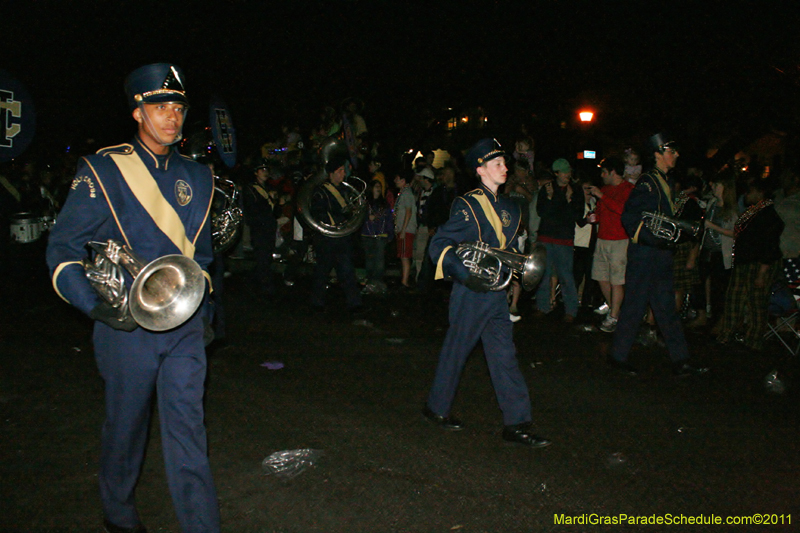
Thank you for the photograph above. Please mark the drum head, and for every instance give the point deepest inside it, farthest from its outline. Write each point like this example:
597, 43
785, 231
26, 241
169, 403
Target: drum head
25, 227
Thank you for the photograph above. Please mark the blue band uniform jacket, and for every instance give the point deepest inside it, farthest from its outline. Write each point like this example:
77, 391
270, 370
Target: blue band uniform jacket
479, 215
165, 212
651, 193
326, 205
261, 211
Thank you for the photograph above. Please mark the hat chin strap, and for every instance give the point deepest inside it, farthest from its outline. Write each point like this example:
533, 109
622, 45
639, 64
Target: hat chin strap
155, 134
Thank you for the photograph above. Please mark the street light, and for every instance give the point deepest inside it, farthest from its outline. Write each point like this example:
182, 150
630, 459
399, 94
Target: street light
586, 116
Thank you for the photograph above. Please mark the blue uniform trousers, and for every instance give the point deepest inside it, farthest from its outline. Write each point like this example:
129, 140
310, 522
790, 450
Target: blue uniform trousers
263, 241
475, 316
648, 279
173, 365
334, 252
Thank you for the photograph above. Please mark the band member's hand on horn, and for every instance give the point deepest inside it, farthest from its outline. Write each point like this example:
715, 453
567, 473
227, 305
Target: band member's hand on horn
113, 317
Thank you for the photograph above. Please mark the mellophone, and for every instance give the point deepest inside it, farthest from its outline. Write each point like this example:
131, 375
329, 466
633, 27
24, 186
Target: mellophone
669, 228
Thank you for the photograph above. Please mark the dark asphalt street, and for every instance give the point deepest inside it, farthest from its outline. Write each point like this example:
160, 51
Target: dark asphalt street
650, 446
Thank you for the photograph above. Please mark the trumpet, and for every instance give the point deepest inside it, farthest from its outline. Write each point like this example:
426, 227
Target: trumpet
164, 294
487, 263
669, 228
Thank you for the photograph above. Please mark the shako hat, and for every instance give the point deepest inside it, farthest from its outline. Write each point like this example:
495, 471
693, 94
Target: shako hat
156, 83
483, 151
660, 142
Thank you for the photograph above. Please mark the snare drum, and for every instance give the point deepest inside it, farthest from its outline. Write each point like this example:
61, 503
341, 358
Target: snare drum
26, 227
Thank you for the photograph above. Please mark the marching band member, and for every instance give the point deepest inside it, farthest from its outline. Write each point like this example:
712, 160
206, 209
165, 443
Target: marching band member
475, 312
328, 203
648, 274
157, 202
261, 210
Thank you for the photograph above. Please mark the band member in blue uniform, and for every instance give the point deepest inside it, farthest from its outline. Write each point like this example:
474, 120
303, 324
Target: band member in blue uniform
648, 275
157, 202
261, 210
327, 203
476, 313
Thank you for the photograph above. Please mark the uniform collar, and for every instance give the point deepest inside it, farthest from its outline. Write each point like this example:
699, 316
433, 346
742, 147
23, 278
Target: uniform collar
489, 194
150, 158
660, 172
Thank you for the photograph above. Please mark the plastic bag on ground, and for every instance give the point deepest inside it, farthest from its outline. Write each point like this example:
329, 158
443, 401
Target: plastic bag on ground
290, 463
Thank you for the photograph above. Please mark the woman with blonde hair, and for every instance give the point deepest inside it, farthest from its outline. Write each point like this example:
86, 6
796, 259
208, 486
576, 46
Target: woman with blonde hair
716, 249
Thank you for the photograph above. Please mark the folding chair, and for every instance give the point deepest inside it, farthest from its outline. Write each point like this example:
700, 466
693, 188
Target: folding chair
784, 308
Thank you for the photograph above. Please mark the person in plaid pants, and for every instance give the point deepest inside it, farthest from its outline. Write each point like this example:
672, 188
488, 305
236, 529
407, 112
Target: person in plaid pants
756, 259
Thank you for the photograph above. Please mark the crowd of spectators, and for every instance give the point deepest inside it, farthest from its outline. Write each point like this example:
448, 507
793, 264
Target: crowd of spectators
723, 277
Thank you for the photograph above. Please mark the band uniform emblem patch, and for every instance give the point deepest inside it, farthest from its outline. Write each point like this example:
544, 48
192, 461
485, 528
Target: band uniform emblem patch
466, 215
505, 218
88, 181
183, 193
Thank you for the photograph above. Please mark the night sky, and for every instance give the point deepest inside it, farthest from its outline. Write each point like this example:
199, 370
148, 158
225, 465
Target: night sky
657, 64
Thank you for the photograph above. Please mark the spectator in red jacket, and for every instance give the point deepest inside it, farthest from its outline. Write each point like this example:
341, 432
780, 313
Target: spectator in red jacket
611, 252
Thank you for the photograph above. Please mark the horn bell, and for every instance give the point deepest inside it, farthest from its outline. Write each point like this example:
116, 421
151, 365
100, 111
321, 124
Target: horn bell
533, 267
166, 292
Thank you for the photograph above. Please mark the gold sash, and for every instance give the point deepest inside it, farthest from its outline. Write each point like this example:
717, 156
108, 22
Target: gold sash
264, 194
491, 216
665, 188
260, 190
332, 189
10, 188
145, 189
336, 194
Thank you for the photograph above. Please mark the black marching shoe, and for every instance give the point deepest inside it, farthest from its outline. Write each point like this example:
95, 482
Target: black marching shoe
445, 422
623, 367
683, 368
111, 528
521, 434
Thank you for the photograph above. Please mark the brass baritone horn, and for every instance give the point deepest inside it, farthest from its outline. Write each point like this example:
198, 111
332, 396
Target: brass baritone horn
487, 263
164, 294
227, 218
669, 228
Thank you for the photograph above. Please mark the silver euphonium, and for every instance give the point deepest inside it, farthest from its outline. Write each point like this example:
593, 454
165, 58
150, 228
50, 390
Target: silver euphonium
226, 215
487, 263
669, 228
164, 294
356, 207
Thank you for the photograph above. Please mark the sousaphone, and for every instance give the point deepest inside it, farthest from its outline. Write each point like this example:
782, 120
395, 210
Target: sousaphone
356, 208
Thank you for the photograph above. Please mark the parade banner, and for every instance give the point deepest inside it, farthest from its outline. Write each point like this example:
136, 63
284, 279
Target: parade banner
17, 117
223, 131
